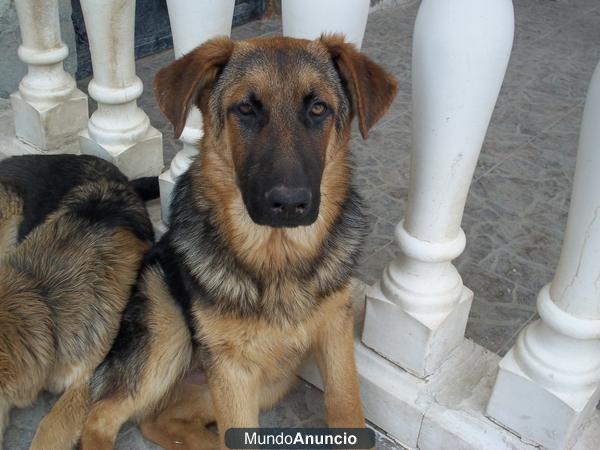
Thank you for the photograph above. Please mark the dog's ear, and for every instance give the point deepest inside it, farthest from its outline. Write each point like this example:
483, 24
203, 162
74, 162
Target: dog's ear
370, 87
176, 86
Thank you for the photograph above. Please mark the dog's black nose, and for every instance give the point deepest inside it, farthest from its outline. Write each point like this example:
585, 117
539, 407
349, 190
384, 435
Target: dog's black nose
288, 204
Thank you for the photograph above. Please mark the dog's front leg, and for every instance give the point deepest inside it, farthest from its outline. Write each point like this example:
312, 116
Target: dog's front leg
235, 392
4, 417
61, 427
334, 353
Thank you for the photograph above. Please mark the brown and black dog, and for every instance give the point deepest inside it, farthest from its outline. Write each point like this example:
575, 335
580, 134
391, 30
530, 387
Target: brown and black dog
255, 269
73, 232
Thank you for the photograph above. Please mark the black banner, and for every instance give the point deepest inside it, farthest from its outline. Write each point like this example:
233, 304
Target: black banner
300, 438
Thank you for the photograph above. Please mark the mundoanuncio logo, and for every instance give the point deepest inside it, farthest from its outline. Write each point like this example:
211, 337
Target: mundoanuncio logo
300, 438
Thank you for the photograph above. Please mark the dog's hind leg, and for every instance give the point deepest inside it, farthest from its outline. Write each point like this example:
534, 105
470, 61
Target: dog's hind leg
61, 427
4, 417
182, 423
104, 422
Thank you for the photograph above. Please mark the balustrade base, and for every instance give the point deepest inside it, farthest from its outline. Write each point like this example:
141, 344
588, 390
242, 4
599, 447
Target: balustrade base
544, 416
140, 159
153, 207
166, 184
415, 342
47, 126
445, 411
16, 147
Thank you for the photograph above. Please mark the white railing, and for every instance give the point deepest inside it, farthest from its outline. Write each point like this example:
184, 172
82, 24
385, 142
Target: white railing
418, 312
308, 19
216, 17
118, 130
547, 385
48, 108
549, 382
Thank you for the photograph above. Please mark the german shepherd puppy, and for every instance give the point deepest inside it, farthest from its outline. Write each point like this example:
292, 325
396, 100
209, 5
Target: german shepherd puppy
255, 269
73, 232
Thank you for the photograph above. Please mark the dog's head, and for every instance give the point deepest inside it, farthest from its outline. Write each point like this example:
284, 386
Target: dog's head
277, 109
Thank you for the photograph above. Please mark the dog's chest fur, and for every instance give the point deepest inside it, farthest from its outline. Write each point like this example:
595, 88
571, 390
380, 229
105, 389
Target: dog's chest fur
255, 344
230, 307
268, 350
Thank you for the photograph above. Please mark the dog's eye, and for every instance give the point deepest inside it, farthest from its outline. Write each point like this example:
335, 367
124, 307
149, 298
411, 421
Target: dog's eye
318, 109
246, 109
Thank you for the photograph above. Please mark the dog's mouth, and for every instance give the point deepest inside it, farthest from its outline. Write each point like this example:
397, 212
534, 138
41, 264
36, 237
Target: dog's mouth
284, 223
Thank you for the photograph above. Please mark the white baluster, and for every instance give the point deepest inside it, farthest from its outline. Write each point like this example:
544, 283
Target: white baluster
118, 130
548, 384
417, 314
192, 23
308, 19
48, 108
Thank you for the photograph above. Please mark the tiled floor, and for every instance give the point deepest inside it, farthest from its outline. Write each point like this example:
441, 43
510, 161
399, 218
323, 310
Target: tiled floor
517, 207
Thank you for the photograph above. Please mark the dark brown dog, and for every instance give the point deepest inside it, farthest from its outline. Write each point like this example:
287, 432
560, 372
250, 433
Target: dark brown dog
73, 232
254, 272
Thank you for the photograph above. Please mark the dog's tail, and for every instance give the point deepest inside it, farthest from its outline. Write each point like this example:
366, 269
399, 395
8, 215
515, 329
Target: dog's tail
146, 187
61, 428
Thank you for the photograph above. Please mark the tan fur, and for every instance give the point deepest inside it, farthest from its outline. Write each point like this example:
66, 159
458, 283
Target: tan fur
182, 423
61, 279
255, 360
25, 323
334, 353
55, 432
171, 354
372, 89
11, 209
104, 421
168, 360
66, 367
201, 66
121, 257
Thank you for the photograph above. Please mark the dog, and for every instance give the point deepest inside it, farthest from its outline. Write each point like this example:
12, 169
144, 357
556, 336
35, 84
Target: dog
73, 232
265, 230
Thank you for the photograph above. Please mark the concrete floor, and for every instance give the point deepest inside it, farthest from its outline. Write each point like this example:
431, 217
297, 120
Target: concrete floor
517, 207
